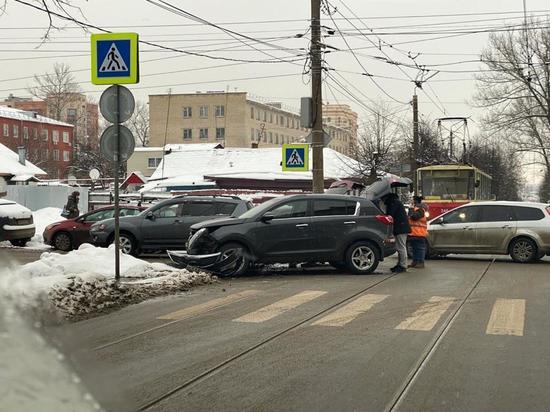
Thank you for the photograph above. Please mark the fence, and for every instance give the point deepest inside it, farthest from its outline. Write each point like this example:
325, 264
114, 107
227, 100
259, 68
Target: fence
39, 197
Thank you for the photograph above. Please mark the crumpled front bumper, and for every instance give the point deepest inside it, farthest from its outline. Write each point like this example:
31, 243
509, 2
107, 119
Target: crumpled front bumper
213, 262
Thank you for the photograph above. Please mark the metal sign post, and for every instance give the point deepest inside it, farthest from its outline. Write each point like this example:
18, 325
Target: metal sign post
115, 60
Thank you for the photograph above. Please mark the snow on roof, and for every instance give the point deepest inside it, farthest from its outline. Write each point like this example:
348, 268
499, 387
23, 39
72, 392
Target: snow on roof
263, 163
24, 178
192, 147
17, 114
148, 149
9, 164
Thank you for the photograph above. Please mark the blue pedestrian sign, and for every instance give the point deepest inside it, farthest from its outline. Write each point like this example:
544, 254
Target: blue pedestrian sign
115, 58
295, 158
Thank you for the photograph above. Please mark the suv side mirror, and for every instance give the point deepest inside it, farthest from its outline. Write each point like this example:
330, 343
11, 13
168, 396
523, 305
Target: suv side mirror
150, 216
268, 217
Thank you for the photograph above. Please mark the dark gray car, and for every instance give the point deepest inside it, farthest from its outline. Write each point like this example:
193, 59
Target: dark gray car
349, 232
166, 225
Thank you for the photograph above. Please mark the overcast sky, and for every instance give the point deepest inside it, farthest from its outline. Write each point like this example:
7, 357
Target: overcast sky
403, 28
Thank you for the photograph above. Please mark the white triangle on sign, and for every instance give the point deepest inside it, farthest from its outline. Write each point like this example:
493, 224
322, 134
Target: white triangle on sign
295, 159
113, 61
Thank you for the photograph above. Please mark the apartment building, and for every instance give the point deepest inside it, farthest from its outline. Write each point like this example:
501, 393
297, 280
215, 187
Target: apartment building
48, 142
233, 119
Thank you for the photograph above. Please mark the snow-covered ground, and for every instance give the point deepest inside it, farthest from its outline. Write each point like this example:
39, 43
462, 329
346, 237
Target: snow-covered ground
82, 281
42, 218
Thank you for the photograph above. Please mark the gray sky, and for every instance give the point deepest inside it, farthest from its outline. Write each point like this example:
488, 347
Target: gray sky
276, 22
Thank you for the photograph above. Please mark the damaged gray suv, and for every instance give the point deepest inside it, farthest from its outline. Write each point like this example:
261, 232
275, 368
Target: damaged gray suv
349, 232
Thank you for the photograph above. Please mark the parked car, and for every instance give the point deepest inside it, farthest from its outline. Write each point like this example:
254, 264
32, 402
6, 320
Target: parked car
71, 233
518, 229
16, 223
346, 231
166, 224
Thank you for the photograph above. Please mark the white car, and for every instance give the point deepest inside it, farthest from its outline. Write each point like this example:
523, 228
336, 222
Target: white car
16, 223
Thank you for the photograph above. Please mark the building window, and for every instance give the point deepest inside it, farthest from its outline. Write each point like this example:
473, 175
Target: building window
258, 135
71, 115
6, 129
55, 138
252, 113
203, 112
55, 154
270, 137
66, 156
153, 162
282, 121
220, 111
45, 135
25, 133
45, 154
15, 130
270, 117
203, 133
264, 116
287, 122
220, 133
276, 138
187, 134
187, 112
35, 133
252, 135
65, 137
264, 136
257, 114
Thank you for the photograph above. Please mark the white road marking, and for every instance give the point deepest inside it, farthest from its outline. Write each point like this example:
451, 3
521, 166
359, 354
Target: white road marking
507, 317
349, 312
208, 306
427, 315
277, 308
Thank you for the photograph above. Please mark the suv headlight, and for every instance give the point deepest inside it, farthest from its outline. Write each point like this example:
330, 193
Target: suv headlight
194, 238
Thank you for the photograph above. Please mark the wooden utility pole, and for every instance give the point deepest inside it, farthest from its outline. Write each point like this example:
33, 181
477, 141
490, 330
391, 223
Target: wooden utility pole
415, 151
317, 98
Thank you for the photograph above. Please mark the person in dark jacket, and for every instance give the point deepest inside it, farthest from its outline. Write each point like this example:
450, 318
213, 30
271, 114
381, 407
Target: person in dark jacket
70, 210
401, 229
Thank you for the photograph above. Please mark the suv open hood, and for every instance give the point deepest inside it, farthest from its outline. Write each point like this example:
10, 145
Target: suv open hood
384, 186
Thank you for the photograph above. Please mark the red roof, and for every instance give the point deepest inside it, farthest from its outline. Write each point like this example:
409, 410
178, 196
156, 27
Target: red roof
133, 179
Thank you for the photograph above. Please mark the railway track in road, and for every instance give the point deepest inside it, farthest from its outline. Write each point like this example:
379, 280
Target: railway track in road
399, 394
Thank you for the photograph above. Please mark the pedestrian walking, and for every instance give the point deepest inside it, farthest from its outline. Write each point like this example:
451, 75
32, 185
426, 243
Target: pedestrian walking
401, 229
419, 232
70, 211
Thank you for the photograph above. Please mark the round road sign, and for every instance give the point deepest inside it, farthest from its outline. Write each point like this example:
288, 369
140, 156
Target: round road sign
94, 174
108, 143
108, 104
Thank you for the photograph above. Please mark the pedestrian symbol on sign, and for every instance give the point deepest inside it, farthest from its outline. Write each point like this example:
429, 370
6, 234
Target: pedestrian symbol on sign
295, 159
113, 61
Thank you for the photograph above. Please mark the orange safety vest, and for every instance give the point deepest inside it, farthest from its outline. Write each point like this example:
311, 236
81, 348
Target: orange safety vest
419, 228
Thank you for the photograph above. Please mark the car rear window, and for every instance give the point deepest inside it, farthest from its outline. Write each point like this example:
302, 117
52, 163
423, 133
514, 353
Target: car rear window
494, 213
225, 208
528, 213
334, 207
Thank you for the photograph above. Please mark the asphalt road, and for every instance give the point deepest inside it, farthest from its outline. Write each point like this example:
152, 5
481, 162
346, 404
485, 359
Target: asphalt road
460, 335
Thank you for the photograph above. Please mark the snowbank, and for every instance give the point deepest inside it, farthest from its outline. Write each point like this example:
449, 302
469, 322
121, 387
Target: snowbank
82, 282
43, 218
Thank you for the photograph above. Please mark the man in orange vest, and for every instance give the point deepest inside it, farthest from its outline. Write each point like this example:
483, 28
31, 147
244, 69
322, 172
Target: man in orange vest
419, 232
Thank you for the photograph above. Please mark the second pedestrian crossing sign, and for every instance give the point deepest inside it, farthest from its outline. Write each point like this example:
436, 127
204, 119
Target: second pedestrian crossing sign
295, 158
115, 58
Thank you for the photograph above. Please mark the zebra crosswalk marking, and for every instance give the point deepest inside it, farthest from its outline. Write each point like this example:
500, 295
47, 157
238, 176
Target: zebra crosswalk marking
427, 315
349, 312
208, 306
271, 311
507, 317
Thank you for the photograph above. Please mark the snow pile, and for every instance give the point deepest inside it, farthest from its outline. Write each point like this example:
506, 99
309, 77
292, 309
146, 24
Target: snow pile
82, 282
43, 218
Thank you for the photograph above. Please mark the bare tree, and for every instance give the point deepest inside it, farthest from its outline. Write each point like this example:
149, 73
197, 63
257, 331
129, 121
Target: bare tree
516, 89
377, 143
58, 89
139, 123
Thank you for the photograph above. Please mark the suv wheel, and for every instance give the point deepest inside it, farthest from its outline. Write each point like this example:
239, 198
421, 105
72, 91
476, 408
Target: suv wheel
523, 250
240, 260
362, 258
127, 244
62, 241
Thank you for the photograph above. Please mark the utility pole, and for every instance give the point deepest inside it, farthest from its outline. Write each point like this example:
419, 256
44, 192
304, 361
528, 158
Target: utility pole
317, 98
415, 151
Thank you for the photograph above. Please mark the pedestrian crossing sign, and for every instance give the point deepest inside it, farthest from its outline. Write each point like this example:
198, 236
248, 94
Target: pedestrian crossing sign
115, 58
295, 158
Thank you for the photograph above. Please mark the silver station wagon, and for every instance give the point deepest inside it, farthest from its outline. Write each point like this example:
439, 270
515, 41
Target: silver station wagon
518, 229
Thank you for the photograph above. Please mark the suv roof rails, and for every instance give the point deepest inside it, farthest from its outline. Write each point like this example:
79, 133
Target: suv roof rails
212, 196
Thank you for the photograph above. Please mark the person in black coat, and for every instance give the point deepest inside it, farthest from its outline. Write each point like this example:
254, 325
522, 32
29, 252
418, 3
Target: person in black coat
70, 211
401, 229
